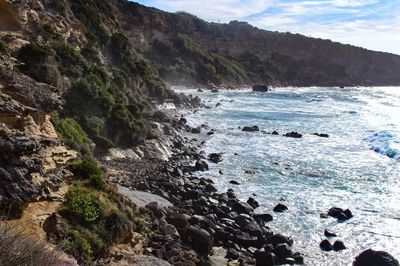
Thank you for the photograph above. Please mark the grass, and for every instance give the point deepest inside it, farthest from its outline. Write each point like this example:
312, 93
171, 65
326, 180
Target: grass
18, 247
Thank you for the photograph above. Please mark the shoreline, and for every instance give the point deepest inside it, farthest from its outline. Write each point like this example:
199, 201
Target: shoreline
227, 229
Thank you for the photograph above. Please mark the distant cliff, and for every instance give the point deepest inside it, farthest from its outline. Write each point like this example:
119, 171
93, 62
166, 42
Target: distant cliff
186, 48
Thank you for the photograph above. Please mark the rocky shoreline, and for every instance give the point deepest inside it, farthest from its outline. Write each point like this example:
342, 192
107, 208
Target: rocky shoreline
203, 225
195, 224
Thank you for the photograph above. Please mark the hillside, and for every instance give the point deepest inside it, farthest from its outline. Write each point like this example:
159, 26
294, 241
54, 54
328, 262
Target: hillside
186, 48
80, 86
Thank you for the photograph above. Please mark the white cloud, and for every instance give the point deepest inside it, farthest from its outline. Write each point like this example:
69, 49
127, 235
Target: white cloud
215, 10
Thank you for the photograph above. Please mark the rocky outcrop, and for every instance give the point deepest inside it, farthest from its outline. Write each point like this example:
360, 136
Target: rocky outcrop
32, 157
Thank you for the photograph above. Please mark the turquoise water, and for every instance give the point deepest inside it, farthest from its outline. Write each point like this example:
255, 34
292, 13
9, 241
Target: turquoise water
358, 167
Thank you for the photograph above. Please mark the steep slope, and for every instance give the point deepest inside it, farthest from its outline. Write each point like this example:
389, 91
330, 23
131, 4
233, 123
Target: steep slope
238, 53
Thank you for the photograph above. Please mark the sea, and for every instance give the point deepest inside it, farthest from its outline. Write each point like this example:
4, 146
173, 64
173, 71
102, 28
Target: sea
357, 167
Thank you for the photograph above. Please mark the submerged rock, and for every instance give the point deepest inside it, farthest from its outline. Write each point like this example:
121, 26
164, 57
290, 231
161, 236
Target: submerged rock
322, 135
280, 208
250, 129
201, 166
215, 157
328, 233
234, 182
325, 245
293, 134
371, 257
260, 88
338, 245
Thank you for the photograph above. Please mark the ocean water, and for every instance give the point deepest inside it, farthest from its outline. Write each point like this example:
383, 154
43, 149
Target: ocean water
357, 167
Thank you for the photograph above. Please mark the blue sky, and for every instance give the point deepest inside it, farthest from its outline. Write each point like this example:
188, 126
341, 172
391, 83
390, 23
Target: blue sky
373, 24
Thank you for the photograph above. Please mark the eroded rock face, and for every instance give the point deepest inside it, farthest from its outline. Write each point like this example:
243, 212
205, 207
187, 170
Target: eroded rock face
32, 157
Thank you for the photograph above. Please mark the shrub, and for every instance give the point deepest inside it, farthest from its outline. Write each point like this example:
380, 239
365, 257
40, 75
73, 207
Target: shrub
18, 247
81, 203
72, 134
3, 48
89, 170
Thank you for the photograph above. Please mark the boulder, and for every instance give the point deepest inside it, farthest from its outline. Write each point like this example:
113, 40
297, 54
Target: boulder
275, 133
201, 166
265, 258
280, 208
234, 182
328, 233
279, 239
215, 157
260, 88
196, 130
253, 203
335, 212
242, 207
178, 220
250, 129
283, 251
199, 239
210, 188
325, 245
371, 257
338, 245
322, 135
264, 217
293, 134
232, 254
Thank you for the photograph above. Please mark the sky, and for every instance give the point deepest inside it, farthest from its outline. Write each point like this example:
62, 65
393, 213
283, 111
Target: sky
372, 24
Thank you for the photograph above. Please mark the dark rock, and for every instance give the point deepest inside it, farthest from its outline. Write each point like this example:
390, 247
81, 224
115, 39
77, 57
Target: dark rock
283, 251
328, 233
253, 229
323, 215
182, 121
265, 258
280, 208
253, 203
199, 239
249, 172
210, 188
242, 207
232, 254
293, 134
250, 129
260, 88
335, 212
275, 133
325, 245
298, 259
265, 217
196, 130
279, 239
246, 241
338, 245
234, 182
178, 220
201, 166
243, 219
220, 172
210, 133
177, 172
371, 257
345, 215
215, 157
322, 135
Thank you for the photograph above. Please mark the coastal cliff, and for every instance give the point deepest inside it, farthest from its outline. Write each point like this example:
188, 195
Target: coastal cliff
81, 85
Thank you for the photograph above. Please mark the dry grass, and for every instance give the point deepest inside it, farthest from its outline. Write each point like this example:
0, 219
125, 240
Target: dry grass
17, 248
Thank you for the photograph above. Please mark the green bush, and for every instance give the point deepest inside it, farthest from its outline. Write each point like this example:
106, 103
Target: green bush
72, 134
3, 48
89, 170
81, 203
